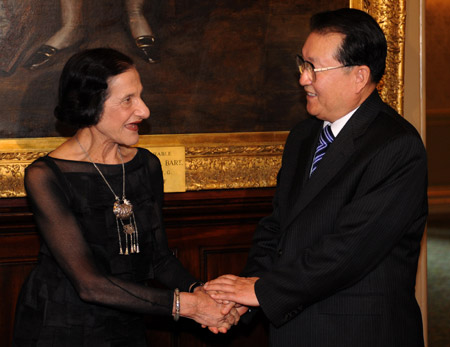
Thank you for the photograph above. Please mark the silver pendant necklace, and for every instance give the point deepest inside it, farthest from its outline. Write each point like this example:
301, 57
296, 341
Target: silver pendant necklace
122, 209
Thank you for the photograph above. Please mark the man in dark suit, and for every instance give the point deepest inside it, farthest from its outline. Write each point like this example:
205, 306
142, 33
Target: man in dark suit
335, 263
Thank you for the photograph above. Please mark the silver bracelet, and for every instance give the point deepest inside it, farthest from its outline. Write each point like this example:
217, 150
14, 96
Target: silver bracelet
176, 317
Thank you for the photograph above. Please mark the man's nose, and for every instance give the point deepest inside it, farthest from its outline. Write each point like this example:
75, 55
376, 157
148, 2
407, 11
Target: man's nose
305, 79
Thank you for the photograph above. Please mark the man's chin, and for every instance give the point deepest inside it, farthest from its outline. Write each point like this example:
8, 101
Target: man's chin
312, 113
319, 117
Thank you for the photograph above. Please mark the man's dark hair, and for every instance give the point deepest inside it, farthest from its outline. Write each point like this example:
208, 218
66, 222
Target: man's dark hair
83, 85
364, 42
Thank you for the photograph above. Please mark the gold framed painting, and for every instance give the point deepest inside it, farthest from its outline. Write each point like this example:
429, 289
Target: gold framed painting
223, 97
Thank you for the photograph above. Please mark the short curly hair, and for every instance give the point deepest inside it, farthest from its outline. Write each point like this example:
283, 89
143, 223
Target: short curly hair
83, 85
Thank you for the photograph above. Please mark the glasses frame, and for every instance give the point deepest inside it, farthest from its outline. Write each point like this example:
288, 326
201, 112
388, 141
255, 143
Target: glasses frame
304, 65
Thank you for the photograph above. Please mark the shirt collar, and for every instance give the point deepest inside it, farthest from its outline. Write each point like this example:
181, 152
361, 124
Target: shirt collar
338, 124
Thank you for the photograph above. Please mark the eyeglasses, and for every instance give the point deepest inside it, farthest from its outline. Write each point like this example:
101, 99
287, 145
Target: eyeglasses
306, 66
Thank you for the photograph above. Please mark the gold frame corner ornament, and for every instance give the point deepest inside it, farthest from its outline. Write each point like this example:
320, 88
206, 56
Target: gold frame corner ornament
234, 160
391, 16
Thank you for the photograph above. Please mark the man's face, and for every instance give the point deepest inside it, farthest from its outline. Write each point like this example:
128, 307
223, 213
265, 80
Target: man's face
330, 96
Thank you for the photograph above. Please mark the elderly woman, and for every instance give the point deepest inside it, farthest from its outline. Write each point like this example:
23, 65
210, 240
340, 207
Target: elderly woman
97, 204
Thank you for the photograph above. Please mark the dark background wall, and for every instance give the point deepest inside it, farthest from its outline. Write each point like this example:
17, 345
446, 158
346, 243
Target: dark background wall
438, 94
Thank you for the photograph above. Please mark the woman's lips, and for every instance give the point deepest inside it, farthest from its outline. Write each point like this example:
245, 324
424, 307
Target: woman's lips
133, 126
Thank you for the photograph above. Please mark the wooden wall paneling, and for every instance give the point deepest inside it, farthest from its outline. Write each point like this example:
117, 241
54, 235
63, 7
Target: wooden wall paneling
19, 245
438, 147
231, 259
222, 260
12, 276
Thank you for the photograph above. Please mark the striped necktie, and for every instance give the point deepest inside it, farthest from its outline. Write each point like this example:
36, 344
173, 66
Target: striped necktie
325, 139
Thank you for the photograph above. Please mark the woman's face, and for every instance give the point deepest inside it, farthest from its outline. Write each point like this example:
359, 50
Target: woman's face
123, 109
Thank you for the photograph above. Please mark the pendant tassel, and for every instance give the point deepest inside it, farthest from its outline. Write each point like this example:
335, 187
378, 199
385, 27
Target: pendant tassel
132, 243
126, 244
131, 236
120, 239
136, 236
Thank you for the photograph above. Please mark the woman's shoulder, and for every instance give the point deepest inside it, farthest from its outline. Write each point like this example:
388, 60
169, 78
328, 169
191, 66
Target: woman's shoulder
148, 156
40, 171
151, 162
41, 164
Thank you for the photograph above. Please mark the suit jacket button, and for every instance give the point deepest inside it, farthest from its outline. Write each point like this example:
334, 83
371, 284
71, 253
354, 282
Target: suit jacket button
280, 252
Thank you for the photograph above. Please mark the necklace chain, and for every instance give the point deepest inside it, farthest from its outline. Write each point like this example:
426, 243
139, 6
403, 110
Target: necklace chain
101, 174
122, 209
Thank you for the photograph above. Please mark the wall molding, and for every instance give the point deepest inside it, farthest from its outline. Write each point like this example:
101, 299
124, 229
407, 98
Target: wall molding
438, 117
439, 201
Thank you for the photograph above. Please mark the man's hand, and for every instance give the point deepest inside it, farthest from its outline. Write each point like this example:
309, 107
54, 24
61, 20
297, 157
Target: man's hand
228, 289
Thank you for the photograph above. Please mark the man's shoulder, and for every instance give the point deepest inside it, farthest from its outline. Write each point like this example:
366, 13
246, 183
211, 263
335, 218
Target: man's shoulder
381, 118
303, 130
305, 125
395, 123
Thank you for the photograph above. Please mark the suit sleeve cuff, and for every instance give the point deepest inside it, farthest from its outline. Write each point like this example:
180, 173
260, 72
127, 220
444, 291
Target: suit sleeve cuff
273, 304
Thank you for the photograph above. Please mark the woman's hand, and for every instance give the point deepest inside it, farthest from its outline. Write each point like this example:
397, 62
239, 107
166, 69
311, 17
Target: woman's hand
200, 307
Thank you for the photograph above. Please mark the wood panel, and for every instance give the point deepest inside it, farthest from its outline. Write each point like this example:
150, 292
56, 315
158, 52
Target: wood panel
210, 232
19, 246
438, 147
12, 276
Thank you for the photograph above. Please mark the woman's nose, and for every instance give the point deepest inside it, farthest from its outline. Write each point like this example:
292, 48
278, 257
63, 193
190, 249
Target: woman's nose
142, 109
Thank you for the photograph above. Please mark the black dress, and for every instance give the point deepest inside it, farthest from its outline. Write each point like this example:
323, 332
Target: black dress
83, 292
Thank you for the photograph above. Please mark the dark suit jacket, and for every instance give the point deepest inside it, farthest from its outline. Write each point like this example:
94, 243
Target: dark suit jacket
337, 258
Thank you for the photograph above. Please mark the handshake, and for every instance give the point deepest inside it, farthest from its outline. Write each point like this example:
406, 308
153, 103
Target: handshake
219, 304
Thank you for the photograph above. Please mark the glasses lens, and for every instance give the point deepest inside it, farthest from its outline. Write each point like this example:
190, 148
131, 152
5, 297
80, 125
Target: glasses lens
305, 66
300, 63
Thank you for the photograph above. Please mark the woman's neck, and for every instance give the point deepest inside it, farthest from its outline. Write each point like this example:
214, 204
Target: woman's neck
94, 148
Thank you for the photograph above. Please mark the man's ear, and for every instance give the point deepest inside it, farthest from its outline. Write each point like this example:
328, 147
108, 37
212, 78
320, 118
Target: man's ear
362, 77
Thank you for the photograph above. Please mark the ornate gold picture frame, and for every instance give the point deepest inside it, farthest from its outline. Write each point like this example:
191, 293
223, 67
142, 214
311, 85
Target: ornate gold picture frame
225, 160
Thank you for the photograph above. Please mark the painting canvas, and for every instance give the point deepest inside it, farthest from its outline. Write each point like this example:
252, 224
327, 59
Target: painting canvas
225, 65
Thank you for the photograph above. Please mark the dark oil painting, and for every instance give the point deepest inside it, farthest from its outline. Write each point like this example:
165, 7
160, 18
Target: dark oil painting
222, 65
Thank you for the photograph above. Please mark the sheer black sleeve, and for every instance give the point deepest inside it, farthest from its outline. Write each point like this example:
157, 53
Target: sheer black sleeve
168, 269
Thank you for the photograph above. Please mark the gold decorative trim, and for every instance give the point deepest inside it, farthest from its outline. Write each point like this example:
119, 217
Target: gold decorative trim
391, 16
224, 161
213, 161
241, 166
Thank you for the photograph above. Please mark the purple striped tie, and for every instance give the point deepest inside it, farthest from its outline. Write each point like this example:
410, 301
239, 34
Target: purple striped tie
325, 139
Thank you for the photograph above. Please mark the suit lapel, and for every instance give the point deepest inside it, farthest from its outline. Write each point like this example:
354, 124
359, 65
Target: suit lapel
303, 160
336, 157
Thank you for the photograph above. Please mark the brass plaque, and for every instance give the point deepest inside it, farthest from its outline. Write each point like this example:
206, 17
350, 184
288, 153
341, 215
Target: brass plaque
173, 166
